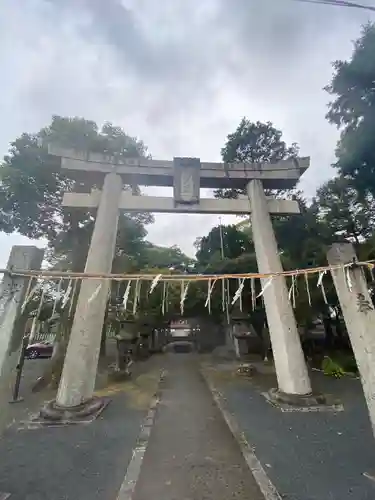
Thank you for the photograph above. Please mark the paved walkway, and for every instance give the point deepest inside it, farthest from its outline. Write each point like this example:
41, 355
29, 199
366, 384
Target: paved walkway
82, 462
308, 456
191, 454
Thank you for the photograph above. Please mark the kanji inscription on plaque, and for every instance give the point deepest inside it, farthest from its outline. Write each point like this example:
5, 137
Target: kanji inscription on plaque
186, 180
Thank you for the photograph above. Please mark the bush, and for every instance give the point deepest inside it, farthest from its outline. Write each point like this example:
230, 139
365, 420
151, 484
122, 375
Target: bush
331, 368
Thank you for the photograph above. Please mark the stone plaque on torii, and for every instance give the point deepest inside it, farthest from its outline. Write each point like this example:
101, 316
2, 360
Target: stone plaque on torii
186, 176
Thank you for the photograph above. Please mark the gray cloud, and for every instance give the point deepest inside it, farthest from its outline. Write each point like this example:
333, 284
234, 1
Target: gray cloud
180, 53
178, 46
116, 26
283, 28
280, 45
174, 52
178, 74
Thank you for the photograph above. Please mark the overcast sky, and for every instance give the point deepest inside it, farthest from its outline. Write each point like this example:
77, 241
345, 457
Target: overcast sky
178, 74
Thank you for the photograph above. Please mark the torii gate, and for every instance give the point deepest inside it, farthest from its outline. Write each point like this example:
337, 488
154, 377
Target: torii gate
187, 176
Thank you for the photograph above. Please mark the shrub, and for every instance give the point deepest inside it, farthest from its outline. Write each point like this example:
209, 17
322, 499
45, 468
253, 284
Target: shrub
331, 368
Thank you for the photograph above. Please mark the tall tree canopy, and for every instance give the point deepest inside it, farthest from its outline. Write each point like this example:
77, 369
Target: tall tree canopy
302, 238
344, 214
31, 189
32, 185
298, 236
353, 111
254, 142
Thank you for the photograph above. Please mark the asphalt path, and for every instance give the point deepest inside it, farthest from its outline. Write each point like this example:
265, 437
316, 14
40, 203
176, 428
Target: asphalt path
85, 462
191, 453
307, 456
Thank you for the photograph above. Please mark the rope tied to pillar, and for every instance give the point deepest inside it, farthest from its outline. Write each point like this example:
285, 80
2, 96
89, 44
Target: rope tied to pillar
49, 274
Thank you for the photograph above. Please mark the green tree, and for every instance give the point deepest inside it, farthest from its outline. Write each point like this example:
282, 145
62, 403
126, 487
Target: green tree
345, 215
31, 190
165, 257
32, 185
225, 250
222, 243
254, 142
302, 238
353, 111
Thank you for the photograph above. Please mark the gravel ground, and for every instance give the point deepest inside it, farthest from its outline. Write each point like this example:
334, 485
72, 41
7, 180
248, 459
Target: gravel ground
308, 456
84, 462
191, 454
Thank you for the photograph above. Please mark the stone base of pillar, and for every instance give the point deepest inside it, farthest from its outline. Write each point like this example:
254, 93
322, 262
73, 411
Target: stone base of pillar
300, 400
53, 414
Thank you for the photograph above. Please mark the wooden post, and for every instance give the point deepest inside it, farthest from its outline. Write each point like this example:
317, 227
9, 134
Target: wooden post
359, 316
12, 323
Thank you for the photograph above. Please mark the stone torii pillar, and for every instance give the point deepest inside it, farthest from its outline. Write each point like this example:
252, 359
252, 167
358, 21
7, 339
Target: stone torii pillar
291, 370
359, 315
13, 291
74, 397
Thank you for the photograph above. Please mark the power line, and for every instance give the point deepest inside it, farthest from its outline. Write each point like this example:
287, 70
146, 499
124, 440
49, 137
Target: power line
339, 3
